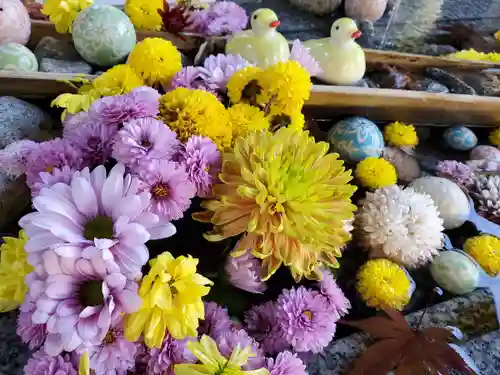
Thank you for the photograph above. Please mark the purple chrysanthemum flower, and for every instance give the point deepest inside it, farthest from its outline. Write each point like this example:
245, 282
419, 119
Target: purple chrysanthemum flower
48, 179
43, 364
261, 323
192, 77
49, 155
305, 319
227, 342
244, 273
143, 140
216, 321
220, 68
96, 215
301, 54
172, 352
202, 161
80, 301
197, 21
170, 188
116, 110
286, 363
338, 302
456, 171
30, 333
226, 17
13, 158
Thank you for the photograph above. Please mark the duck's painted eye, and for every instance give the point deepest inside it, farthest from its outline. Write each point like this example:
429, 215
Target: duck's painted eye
338, 27
254, 16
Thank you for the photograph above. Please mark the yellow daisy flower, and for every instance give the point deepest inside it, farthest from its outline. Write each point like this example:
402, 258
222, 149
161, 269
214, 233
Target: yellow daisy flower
120, 79
375, 173
485, 250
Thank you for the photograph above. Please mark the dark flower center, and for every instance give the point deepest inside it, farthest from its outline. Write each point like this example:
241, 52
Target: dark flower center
109, 338
170, 115
160, 191
280, 121
90, 293
146, 143
308, 314
250, 91
99, 227
94, 143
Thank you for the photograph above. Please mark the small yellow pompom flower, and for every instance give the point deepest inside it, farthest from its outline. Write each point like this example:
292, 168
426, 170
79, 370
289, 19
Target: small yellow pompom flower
245, 118
382, 283
375, 173
196, 112
171, 301
398, 134
494, 137
155, 60
120, 79
472, 54
485, 250
243, 85
144, 14
62, 13
13, 268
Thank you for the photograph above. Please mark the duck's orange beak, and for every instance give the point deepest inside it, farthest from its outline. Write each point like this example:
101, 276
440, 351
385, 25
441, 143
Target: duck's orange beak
274, 24
356, 34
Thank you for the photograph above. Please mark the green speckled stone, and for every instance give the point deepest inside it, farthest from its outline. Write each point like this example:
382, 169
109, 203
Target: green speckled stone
103, 35
455, 272
17, 57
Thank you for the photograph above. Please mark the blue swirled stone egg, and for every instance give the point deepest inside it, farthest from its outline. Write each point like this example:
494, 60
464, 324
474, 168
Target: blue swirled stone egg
356, 138
460, 138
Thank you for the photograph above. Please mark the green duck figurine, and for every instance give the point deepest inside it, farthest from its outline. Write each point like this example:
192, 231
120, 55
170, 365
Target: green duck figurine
262, 45
340, 57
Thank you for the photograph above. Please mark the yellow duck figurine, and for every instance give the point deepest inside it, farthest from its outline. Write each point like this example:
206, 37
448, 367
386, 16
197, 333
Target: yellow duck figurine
262, 45
340, 57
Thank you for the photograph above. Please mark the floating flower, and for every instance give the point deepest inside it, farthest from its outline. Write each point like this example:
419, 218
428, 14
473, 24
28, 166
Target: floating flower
301, 54
192, 77
382, 283
213, 363
44, 364
273, 193
202, 162
305, 320
456, 171
494, 137
170, 189
48, 179
120, 79
220, 68
96, 216
144, 14
400, 224
144, 140
31, 334
155, 60
243, 85
245, 119
333, 294
286, 363
171, 353
196, 112
216, 321
13, 158
244, 273
62, 13
398, 134
375, 173
485, 250
13, 268
228, 341
89, 296
171, 300
225, 18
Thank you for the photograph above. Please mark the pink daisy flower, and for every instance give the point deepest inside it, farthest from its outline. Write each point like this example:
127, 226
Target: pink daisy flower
244, 273
216, 321
47, 179
286, 363
338, 302
30, 333
172, 352
43, 364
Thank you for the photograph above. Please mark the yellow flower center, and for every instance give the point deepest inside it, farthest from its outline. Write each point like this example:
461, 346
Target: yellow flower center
109, 338
308, 314
49, 169
160, 191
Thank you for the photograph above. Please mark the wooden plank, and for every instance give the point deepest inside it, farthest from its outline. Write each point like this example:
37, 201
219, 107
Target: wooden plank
408, 106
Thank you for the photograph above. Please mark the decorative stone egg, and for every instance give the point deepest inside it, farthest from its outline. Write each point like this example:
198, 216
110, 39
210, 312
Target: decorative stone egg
15, 24
451, 201
485, 152
407, 166
103, 35
17, 57
460, 138
454, 272
365, 10
356, 138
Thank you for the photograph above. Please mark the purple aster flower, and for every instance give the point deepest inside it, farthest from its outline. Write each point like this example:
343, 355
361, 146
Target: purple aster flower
49, 155
48, 179
43, 364
301, 54
143, 140
227, 342
197, 21
305, 319
13, 158
170, 188
115, 110
192, 77
261, 323
202, 161
96, 215
81, 299
220, 68
286, 363
172, 352
30, 333
226, 17
331, 291
216, 321
456, 171
244, 273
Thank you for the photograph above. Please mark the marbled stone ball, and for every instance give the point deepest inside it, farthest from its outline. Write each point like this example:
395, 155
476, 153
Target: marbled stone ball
15, 24
16, 57
460, 138
455, 272
485, 152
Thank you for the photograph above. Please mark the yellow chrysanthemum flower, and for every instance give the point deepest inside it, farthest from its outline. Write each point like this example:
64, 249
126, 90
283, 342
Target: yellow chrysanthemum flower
375, 173
485, 250
472, 54
144, 14
196, 112
295, 121
243, 85
62, 13
494, 137
287, 197
245, 118
120, 79
382, 283
398, 134
171, 301
156, 60
13, 268
213, 363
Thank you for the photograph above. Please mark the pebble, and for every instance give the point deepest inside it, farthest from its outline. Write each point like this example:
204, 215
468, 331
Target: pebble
50, 65
428, 85
56, 49
454, 84
317, 7
436, 49
484, 83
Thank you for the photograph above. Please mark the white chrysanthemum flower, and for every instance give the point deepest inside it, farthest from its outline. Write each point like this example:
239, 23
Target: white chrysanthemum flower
400, 224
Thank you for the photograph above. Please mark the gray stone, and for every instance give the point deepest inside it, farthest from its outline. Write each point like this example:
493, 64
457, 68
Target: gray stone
429, 85
454, 84
14, 354
484, 83
318, 7
436, 50
50, 65
56, 49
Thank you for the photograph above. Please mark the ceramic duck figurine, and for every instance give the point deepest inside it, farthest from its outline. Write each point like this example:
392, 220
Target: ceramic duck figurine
340, 57
262, 45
